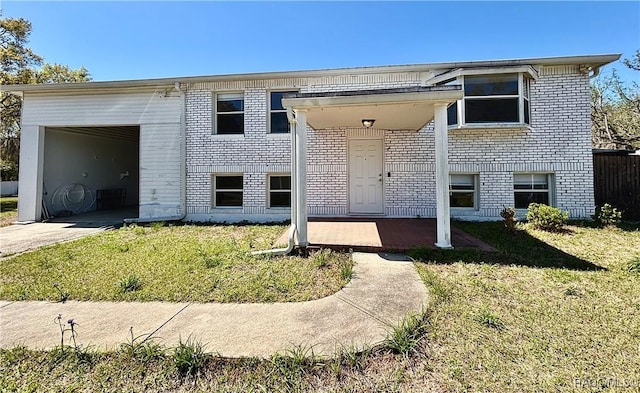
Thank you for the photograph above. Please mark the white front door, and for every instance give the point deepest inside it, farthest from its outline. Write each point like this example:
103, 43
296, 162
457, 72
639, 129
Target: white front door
365, 176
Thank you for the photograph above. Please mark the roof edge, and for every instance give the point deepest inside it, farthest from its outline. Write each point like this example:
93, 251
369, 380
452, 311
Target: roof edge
592, 60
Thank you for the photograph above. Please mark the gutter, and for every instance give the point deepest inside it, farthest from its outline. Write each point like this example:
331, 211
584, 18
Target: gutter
183, 169
294, 191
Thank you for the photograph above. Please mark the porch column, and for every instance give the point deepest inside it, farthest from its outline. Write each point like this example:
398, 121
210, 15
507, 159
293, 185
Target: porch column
442, 177
301, 176
30, 176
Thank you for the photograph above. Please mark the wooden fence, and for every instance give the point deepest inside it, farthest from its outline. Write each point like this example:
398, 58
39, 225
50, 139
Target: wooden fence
617, 182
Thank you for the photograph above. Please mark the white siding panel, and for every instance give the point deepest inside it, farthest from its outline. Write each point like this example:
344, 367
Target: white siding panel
161, 164
159, 115
101, 109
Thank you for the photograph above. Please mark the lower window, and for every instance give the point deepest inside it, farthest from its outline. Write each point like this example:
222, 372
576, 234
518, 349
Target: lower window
279, 190
532, 188
463, 190
227, 190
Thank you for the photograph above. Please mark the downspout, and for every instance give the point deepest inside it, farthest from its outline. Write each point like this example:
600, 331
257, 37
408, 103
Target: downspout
183, 170
294, 192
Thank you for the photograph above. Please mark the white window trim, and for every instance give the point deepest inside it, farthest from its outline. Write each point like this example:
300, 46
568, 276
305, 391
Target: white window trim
214, 113
281, 191
476, 191
214, 190
270, 111
551, 189
462, 122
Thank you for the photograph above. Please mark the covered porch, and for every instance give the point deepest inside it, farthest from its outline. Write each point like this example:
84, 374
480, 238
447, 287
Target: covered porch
381, 234
378, 112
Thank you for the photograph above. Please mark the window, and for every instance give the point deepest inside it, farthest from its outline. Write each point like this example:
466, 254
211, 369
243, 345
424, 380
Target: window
229, 113
463, 191
278, 123
279, 191
496, 98
531, 188
227, 190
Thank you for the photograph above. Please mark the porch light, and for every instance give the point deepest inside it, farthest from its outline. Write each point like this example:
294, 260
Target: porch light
368, 123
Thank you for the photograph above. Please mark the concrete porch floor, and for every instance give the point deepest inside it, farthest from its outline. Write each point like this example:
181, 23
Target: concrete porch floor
382, 234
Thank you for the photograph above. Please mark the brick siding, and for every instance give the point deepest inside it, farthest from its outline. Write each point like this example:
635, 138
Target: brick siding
557, 142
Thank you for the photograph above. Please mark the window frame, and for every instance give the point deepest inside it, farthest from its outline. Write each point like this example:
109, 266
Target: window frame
523, 96
475, 191
269, 190
215, 112
215, 190
271, 111
550, 187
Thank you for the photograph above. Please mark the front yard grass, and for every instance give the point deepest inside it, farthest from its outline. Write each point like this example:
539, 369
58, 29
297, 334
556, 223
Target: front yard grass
8, 210
551, 312
172, 263
547, 313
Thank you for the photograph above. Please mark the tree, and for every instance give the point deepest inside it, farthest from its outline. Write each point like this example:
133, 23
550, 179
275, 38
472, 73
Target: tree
615, 110
20, 65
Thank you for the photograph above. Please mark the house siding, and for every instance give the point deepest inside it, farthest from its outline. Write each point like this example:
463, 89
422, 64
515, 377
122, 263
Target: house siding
157, 112
557, 142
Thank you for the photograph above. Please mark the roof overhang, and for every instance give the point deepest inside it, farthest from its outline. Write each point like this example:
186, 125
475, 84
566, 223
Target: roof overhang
392, 109
594, 61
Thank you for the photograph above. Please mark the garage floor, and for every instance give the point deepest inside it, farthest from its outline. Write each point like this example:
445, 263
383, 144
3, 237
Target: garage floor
112, 217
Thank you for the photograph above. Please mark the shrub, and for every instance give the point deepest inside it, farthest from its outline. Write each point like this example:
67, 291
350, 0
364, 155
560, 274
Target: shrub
547, 218
509, 218
607, 215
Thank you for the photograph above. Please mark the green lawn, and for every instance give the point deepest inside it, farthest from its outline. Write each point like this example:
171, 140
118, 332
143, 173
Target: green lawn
8, 210
172, 263
547, 313
558, 312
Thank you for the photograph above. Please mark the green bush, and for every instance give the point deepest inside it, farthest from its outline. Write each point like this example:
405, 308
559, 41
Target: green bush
547, 218
607, 215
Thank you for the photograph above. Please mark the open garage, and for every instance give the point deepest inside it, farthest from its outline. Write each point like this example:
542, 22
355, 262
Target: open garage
102, 147
91, 168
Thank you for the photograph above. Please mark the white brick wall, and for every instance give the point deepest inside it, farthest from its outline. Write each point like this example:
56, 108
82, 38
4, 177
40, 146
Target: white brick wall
558, 142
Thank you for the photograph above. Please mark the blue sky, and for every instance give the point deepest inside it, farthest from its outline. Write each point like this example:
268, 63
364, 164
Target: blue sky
137, 40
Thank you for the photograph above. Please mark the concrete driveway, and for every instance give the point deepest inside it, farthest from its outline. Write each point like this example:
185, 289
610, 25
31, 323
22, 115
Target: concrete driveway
19, 238
16, 239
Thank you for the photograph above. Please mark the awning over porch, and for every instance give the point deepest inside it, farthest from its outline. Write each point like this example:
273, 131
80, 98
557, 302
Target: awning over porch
393, 109
390, 109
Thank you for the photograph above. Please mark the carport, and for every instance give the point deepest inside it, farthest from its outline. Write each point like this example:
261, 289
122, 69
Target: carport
100, 147
90, 169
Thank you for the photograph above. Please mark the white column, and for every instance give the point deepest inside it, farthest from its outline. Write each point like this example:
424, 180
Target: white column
301, 177
30, 176
442, 177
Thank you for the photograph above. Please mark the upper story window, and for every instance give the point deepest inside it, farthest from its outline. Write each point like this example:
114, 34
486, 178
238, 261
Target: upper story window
278, 122
491, 99
229, 113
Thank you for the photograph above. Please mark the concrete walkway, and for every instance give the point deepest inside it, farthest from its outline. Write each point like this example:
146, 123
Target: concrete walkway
383, 290
15, 239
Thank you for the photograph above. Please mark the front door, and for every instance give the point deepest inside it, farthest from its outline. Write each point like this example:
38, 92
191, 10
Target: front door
365, 176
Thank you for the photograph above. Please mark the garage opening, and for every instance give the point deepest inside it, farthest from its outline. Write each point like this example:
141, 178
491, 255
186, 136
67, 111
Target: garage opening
91, 173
